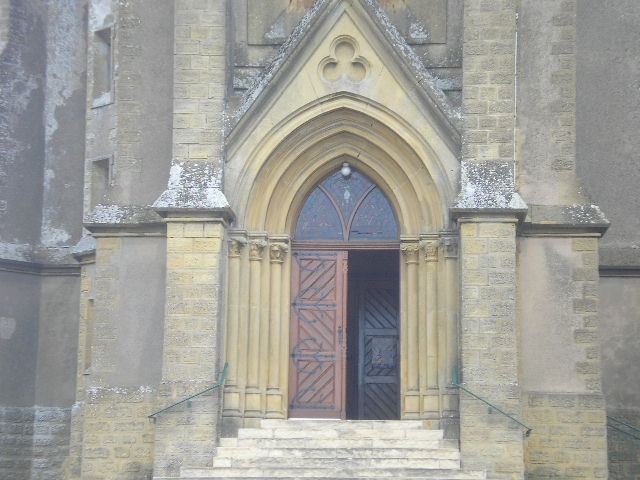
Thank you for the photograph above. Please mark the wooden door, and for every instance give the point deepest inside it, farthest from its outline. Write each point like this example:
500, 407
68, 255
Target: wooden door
318, 313
378, 376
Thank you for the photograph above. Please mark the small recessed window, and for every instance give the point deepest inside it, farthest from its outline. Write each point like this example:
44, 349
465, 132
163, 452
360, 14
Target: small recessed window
100, 180
102, 68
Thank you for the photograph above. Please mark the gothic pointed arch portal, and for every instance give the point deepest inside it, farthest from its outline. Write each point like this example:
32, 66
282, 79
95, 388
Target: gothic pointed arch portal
270, 177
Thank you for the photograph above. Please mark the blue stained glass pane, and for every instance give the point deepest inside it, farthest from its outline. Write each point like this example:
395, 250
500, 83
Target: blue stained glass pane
318, 219
347, 192
374, 219
331, 206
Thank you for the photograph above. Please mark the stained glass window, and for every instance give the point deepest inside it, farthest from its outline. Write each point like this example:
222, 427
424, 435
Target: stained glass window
349, 208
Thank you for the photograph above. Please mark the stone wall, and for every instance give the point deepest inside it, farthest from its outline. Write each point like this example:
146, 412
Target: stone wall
16, 442
51, 429
22, 90
34, 442
624, 454
619, 330
487, 209
546, 103
117, 439
561, 361
119, 357
607, 121
569, 436
607, 146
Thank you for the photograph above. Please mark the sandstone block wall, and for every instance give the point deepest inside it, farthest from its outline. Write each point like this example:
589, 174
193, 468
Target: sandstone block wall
569, 436
187, 434
489, 348
489, 80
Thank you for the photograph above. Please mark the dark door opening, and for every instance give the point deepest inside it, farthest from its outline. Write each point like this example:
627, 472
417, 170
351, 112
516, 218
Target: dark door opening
373, 356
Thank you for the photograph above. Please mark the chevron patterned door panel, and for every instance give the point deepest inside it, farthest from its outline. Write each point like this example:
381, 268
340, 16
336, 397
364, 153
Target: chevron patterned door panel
379, 356
317, 348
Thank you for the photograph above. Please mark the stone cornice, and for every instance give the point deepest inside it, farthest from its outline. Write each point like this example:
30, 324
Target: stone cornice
40, 269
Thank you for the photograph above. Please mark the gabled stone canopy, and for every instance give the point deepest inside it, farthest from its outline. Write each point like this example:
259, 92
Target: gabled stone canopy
351, 52
356, 21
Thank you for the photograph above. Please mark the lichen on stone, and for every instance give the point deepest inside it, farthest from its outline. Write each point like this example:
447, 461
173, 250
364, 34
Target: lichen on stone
194, 185
86, 246
589, 214
488, 185
124, 215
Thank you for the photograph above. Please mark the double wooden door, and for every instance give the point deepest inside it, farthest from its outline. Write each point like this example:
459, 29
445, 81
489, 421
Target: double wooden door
344, 340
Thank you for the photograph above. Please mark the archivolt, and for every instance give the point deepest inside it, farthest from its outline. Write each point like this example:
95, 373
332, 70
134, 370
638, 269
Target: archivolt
416, 173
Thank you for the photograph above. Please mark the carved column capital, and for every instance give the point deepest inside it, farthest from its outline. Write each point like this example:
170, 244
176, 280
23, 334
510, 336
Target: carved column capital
410, 251
430, 249
278, 251
256, 248
235, 246
450, 246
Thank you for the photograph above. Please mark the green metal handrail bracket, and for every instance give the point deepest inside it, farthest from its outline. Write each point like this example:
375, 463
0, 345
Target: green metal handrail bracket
492, 407
620, 429
221, 380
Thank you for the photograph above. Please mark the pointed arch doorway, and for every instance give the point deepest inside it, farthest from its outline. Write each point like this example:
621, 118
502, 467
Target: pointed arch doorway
272, 177
345, 315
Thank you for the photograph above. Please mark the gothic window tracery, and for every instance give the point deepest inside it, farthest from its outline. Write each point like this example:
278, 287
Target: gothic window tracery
350, 208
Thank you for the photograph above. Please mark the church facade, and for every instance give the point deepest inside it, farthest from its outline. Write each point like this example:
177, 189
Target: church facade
343, 209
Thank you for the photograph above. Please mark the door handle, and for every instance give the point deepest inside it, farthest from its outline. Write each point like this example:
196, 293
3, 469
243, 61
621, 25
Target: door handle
340, 335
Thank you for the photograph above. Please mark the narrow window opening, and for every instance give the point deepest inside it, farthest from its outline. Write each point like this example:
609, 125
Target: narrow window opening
88, 337
102, 68
100, 180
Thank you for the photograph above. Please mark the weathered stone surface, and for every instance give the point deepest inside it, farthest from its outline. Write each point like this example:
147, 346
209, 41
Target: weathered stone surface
501, 115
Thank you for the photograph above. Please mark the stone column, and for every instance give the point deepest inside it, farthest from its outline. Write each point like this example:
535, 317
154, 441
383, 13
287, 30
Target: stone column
558, 255
278, 249
232, 394
410, 370
448, 338
429, 328
253, 405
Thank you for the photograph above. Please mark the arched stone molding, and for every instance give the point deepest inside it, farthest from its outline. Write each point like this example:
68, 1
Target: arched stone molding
267, 183
415, 167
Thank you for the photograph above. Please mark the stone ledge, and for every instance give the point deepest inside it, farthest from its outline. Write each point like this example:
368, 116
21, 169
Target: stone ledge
564, 219
620, 261
104, 215
194, 191
488, 187
37, 260
129, 219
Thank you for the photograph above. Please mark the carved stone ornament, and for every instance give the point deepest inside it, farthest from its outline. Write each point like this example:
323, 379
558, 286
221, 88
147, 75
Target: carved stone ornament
450, 245
235, 246
255, 249
430, 249
344, 62
278, 251
410, 251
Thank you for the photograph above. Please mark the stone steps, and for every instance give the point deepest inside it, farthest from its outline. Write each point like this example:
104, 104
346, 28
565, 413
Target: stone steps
335, 452
336, 474
333, 449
